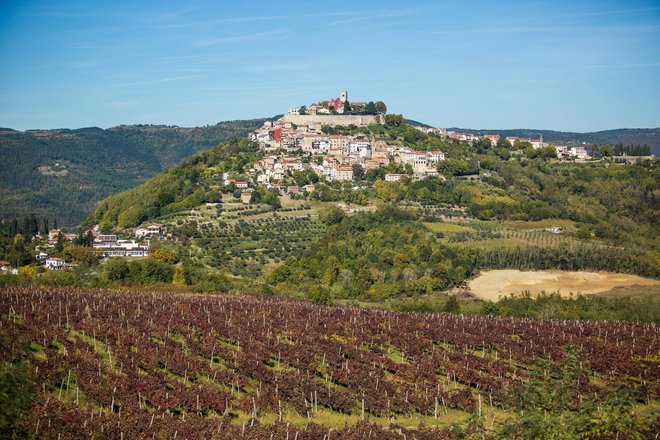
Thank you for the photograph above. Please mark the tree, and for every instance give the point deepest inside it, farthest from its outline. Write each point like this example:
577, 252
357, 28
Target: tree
583, 233
456, 167
452, 305
394, 120
81, 254
319, 295
331, 215
358, 171
502, 142
179, 277
381, 107
370, 108
116, 269
303, 110
347, 107
166, 255
59, 246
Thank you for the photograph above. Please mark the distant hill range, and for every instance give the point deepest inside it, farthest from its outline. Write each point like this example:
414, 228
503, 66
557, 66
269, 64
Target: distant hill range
625, 136
63, 173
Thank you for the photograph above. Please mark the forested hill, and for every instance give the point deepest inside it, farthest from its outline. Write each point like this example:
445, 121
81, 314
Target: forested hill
625, 136
64, 173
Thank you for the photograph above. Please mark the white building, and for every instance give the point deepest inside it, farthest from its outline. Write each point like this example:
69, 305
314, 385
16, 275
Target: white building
55, 263
148, 231
435, 156
122, 248
358, 144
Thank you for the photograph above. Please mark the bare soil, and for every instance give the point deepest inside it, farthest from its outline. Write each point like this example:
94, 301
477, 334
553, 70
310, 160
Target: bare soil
492, 284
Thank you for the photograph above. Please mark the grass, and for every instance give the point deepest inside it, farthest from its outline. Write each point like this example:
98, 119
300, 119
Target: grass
635, 292
447, 228
336, 420
540, 224
38, 351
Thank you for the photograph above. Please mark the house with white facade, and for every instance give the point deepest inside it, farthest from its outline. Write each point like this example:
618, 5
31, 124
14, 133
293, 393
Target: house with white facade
55, 263
393, 177
148, 231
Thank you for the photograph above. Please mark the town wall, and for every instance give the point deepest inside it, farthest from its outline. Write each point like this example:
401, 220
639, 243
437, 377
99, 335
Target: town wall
359, 120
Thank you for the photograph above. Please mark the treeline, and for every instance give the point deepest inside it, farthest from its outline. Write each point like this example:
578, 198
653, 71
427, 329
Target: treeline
579, 307
600, 151
166, 268
16, 236
28, 226
183, 187
580, 257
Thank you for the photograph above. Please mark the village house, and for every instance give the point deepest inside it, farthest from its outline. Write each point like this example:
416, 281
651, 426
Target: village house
338, 142
435, 156
393, 177
342, 173
579, 152
356, 145
55, 263
148, 231
493, 138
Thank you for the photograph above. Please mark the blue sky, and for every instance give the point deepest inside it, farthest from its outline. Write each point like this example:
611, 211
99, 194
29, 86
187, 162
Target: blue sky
565, 65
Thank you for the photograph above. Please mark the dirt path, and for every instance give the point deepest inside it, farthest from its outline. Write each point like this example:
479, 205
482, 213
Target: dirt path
492, 284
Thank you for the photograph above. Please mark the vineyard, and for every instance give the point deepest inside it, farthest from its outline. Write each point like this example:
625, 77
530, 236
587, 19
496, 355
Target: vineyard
144, 365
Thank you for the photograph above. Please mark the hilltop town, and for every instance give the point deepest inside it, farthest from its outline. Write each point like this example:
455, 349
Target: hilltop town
305, 139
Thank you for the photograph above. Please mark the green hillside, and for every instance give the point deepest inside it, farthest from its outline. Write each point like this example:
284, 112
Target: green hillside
416, 236
194, 182
63, 173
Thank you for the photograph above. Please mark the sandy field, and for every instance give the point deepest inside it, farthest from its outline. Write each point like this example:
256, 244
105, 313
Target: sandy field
492, 284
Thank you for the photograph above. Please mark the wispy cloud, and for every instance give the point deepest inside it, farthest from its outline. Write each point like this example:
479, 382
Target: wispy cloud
252, 18
275, 67
239, 38
545, 29
159, 81
365, 17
